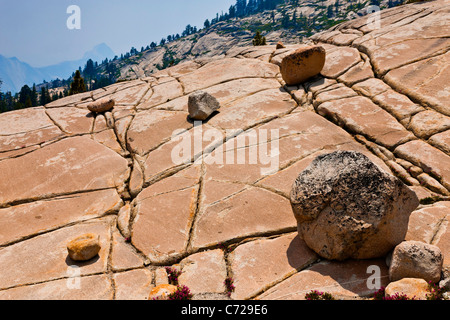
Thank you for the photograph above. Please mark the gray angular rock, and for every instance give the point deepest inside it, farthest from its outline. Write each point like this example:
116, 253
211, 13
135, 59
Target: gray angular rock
201, 105
415, 259
346, 207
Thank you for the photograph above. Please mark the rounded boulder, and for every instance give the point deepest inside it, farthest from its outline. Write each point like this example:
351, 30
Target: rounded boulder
346, 207
415, 259
101, 105
84, 247
303, 64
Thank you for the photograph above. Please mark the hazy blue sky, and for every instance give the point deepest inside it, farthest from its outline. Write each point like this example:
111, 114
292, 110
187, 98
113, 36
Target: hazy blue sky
35, 31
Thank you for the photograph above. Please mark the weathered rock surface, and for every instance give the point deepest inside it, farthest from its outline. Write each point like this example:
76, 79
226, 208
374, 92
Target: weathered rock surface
65, 171
346, 207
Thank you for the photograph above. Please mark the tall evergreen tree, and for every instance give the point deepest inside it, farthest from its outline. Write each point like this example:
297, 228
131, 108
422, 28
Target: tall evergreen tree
25, 97
43, 97
232, 12
89, 69
285, 20
241, 6
34, 96
89, 73
77, 86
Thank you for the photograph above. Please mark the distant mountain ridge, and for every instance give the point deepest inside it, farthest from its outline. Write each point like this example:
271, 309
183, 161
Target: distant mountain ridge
15, 73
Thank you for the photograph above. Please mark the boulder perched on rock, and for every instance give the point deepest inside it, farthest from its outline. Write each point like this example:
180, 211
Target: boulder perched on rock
101, 105
201, 105
415, 259
302, 64
347, 207
84, 247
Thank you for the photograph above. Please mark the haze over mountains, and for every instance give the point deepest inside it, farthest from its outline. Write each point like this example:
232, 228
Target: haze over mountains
288, 21
15, 73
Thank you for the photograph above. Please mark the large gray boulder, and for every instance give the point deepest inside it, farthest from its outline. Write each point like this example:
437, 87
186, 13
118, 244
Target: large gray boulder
347, 207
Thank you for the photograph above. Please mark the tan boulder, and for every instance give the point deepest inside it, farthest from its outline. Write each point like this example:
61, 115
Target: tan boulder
302, 64
162, 292
101, 105
415, 259
412, 288
84, 247
280, 45
347, 207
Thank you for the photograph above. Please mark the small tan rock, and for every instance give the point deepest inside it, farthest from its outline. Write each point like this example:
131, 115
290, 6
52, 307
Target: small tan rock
413, 288
162, 292
415, 259
280, 45
302, 64
101, 105
84, 247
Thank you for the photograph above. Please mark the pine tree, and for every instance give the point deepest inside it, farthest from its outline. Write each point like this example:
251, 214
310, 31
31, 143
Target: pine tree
77, 86
34, 96
89, 69
241, 6
232, 12
25, 97
285, 20
259, 40
43, 100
